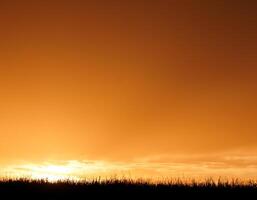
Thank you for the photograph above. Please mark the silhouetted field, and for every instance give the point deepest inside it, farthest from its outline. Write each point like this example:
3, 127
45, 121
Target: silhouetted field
123, 189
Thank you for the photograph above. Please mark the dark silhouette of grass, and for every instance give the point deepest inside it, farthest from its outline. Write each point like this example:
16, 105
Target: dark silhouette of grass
122, 189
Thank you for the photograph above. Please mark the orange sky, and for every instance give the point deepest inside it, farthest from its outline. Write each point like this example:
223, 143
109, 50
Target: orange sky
129, 81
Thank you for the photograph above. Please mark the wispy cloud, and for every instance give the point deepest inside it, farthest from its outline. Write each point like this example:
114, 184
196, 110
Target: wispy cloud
227, 164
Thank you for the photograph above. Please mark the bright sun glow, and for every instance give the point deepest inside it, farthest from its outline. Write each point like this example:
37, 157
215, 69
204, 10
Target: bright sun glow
66, 170
47, 171
52, 172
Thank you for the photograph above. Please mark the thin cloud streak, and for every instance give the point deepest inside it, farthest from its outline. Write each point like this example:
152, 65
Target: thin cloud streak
155, 167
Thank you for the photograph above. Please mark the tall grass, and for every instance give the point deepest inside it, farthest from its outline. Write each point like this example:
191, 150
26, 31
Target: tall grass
171, 182
120, 188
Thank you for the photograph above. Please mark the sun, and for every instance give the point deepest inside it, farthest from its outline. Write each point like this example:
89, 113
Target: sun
49, 172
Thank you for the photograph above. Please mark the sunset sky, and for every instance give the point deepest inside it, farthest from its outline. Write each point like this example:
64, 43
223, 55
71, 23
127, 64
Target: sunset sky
161, 88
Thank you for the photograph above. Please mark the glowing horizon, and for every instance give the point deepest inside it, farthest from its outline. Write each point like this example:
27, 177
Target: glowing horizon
226, 166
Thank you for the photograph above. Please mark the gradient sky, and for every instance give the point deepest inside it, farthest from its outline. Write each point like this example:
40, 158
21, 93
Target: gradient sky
122, 81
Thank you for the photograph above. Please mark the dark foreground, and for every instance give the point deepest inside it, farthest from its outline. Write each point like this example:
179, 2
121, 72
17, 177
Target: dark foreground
116, 189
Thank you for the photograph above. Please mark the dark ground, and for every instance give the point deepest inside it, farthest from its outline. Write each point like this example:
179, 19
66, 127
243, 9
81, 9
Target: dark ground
115, 189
